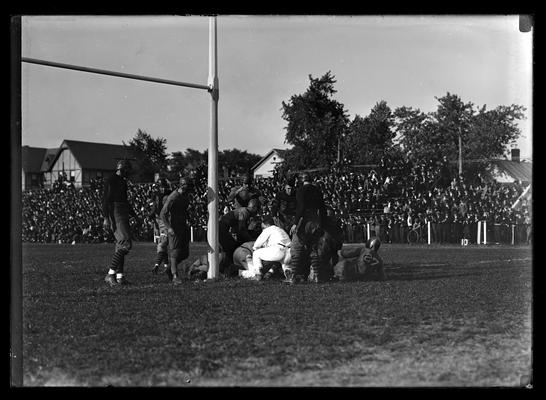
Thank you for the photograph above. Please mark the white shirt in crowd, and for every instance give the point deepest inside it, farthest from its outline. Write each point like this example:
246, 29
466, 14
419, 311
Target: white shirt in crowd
271, 236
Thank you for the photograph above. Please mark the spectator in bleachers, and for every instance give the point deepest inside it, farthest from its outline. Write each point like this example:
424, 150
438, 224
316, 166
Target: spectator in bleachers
355, 195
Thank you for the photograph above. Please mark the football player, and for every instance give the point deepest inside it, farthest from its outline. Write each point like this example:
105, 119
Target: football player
160, 230
361, 263
116, 212
175, 217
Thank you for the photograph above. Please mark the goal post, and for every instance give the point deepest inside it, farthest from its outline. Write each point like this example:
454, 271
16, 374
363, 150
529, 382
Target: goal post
212, 88
212, 188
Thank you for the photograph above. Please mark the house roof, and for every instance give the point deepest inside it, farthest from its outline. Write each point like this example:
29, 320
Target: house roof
31, 158
48, 159
521, 171
280, 153
97, 156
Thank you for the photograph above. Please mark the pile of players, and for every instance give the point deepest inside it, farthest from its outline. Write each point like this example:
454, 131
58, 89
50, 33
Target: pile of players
297, 241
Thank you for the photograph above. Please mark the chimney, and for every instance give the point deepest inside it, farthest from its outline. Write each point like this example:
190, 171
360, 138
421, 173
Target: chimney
515, 155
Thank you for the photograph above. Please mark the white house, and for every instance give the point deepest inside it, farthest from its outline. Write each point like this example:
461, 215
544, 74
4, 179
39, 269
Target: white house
509, 171
82, 161
265, 167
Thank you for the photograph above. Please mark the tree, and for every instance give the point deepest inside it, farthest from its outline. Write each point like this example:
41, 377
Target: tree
315, 123
418, 137
485, 135
237, 161
180, 163
152, 156
369, 138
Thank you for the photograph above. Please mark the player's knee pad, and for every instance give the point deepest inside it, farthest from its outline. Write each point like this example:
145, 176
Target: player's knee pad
126, 245
162, 247
123, 250
287, 257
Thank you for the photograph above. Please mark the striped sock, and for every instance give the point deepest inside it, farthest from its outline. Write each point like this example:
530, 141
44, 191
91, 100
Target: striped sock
117, 261
160, 257
122, 263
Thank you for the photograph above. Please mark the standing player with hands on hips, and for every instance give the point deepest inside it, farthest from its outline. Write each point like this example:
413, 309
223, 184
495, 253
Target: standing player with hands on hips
174, 215
116, 212
306, 233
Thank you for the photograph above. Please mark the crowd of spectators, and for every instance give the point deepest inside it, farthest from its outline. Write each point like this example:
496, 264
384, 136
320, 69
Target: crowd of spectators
388, 201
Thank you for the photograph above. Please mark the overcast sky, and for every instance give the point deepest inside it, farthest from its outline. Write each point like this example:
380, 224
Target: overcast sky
262, 61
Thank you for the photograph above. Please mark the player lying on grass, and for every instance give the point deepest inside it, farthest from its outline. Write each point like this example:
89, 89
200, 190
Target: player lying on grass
199, 268
243, 254
242, 258
361, 263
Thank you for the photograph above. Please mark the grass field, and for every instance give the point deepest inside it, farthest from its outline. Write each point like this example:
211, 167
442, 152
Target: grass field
447, 316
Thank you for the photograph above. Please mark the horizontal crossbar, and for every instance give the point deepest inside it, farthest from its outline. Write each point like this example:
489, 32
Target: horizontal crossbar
113, 73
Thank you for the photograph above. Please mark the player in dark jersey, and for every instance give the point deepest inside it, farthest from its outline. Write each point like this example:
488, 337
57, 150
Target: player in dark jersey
233, 231
174, 215
284, 207
306, 233
116, 211
241, 195
363, 263
160, 230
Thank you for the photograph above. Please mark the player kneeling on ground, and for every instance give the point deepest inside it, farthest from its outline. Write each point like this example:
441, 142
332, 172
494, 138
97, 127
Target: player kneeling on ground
242, 260
273, 244
361, 263
233, 232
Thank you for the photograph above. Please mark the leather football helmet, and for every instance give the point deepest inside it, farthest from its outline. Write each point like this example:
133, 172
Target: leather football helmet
373, 243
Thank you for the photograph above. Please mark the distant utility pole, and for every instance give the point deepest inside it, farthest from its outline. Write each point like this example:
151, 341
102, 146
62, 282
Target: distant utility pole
460, 153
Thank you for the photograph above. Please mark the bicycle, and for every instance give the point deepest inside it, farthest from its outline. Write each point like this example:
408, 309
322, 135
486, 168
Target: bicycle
414, 236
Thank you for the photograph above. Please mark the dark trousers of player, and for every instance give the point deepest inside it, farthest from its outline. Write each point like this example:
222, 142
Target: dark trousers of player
228, 244
179, 246
327, 247
305, 258
122, 234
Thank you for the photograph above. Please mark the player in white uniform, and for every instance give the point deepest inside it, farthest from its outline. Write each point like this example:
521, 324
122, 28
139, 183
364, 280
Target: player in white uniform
273, 244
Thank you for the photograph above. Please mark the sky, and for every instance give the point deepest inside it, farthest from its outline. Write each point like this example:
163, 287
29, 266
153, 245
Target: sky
406, 60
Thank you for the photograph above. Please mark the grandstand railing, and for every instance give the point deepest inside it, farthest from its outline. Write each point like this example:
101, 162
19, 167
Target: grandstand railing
431, 233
